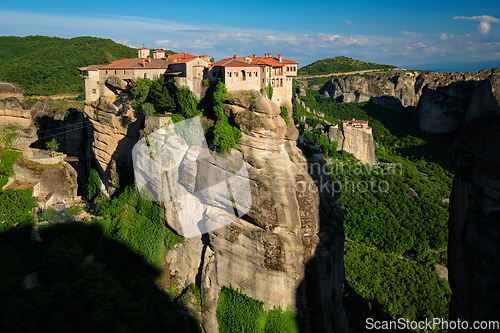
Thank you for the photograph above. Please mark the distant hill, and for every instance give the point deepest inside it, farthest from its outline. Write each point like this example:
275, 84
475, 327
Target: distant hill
457, 66
43, 65
339, 65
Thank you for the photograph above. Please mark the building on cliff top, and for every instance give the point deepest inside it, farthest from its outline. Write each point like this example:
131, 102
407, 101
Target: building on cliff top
184, 68
252, 72
357, 124
248, 73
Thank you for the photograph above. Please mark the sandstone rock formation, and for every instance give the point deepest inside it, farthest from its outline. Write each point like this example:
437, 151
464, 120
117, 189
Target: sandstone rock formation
287, 250
358, 142
61, 180
68, 126
15, 116
474, 241
444, 100
116, 128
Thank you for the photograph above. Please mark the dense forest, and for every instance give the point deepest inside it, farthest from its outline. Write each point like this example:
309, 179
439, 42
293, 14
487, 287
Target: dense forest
44, 66
383, 224
339, 64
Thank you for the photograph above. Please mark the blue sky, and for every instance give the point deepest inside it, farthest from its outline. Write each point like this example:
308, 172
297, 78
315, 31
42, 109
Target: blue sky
393, 32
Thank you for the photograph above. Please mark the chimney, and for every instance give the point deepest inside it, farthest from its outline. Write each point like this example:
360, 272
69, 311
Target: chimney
266, 55
235, 56
143, 62
270, 55
280, 57
254, 55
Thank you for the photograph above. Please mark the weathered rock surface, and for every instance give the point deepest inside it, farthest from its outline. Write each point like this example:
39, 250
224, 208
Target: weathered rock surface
287, 250
68, 126
15, 115
61, 180
474, 241
359, 143
116, 128
444, 100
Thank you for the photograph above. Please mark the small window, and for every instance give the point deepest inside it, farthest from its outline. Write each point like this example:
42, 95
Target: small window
255, 74
229, 74
236, 74
106, 72
94, 91
97, 82
115, 71
145, 75
124, 72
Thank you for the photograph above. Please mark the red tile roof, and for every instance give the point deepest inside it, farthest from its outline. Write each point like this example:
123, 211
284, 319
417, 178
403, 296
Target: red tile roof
157, 51
232, 62
143, 48
138, 63
259, 61
182, 55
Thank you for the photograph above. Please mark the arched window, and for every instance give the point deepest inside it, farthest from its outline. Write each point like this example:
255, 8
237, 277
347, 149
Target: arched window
229, 74
281, 82
255, 74
243, 75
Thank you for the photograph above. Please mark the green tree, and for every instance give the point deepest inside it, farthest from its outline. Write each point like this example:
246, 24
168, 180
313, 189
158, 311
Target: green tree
160, 96
187, 102
93, 184
52, 146
284, 114
140, 91
269, 91
225, 135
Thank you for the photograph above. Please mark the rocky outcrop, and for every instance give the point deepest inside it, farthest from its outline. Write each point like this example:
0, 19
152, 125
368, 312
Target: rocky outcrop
474, 241
287, 249
15, 117
116, 128
356, 141
360, 143
60, 180
444, 100
65, 122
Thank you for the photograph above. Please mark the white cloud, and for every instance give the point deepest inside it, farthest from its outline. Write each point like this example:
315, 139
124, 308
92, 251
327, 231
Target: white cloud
347, 22
485, 22
443, 36
411, 34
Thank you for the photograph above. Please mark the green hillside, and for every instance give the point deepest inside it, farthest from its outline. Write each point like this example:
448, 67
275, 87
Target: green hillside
43, 65
339, 65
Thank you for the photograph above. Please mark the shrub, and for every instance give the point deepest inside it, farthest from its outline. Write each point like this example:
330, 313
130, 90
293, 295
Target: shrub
226, 136
148, 109
8, 134
49, 214
284, 114
93, 184
237, 312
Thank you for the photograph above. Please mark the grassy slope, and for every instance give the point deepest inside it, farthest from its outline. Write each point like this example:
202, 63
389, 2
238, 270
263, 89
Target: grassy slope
43, 65
339, 65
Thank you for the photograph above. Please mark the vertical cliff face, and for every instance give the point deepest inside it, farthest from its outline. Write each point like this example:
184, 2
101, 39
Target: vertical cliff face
360, 143
444, 100
474, 243
116, 128
15, 114
287, 249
